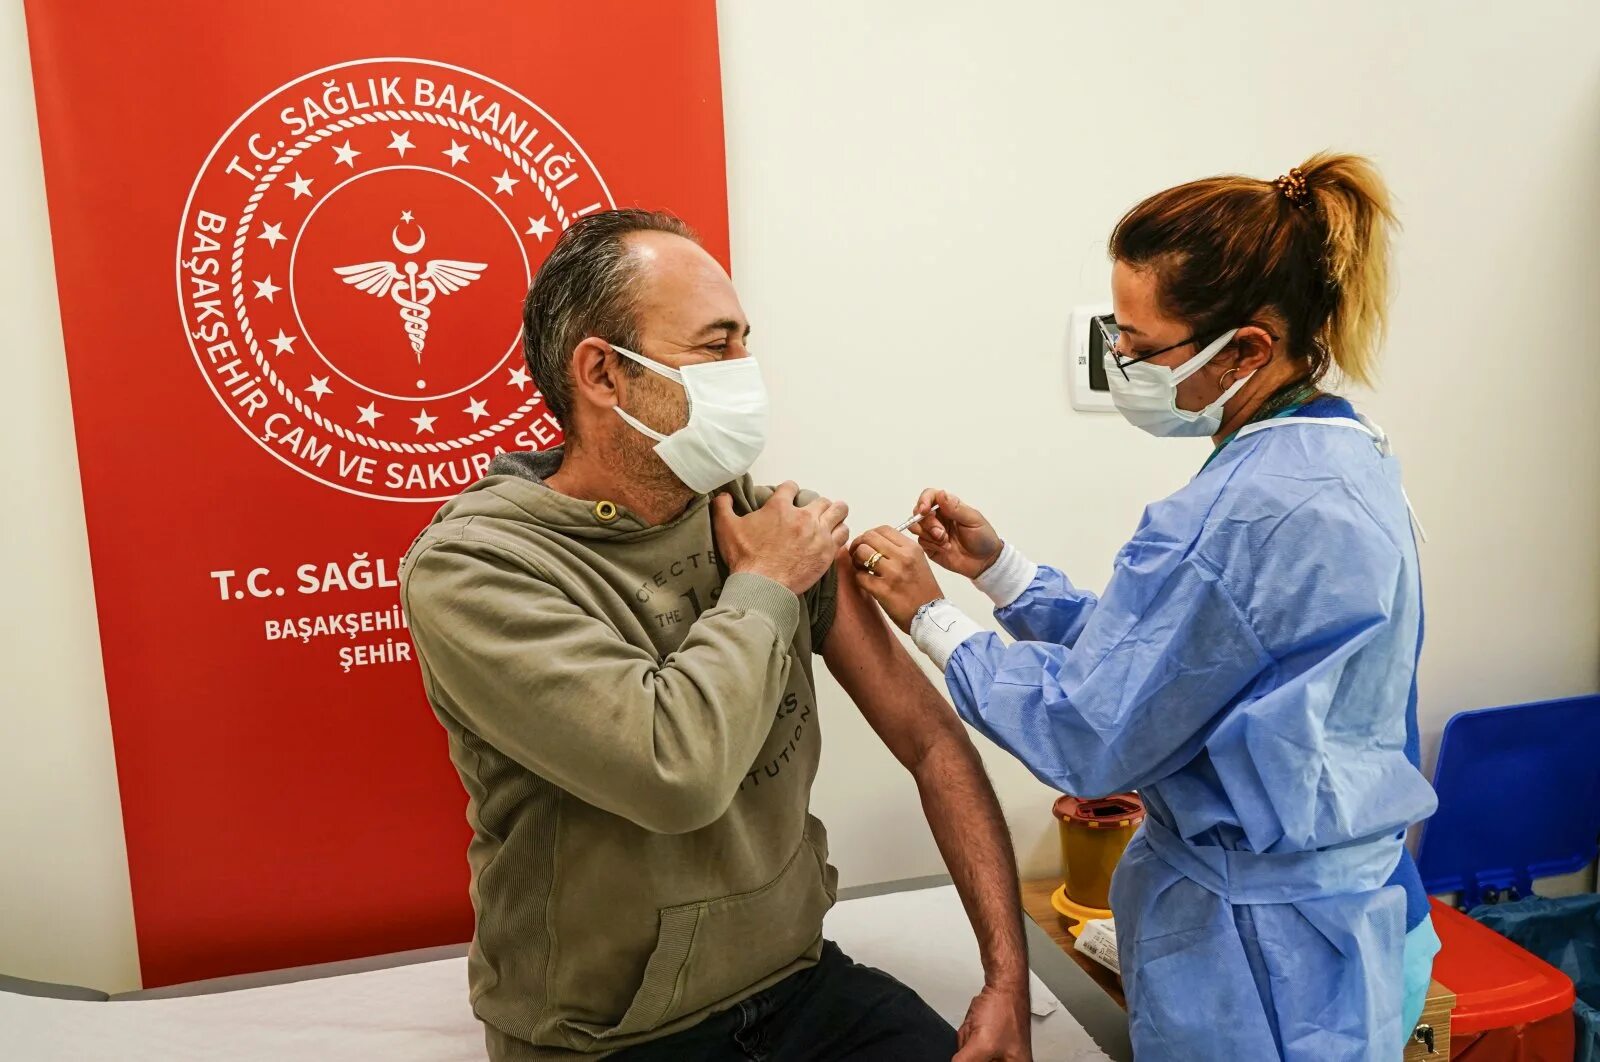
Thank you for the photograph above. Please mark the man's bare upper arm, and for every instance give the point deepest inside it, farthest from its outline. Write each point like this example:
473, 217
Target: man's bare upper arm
891, 691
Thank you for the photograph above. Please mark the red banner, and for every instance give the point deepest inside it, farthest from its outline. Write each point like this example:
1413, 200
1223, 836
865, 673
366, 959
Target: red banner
291, 242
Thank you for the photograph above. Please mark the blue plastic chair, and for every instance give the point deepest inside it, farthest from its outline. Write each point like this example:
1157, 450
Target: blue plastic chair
1519, 799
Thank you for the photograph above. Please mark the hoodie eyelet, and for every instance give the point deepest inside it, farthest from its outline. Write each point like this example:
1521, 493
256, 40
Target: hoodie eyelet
606, 512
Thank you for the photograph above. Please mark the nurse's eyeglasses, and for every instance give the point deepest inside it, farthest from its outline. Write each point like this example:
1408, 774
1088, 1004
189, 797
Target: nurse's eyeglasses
1111, 335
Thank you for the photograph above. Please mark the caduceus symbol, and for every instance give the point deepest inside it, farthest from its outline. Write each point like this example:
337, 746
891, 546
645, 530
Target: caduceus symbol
413, 286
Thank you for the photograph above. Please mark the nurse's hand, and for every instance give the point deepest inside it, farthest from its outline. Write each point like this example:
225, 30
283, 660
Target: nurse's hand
958, 538
891, 568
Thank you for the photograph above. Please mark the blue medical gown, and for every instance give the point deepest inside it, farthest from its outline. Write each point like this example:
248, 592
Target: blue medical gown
1251, 670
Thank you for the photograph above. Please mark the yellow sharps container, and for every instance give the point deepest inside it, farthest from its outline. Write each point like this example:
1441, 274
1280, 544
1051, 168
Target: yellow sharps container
1093, 836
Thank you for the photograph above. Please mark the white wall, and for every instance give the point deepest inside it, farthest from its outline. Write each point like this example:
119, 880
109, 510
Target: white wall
65, 910
920, 191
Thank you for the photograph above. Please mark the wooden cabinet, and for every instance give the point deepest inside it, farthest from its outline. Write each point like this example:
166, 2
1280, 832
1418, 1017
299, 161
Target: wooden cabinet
1434, 1028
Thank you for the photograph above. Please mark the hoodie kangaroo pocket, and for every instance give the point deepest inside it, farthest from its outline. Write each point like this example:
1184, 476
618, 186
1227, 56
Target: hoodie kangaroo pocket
709, 951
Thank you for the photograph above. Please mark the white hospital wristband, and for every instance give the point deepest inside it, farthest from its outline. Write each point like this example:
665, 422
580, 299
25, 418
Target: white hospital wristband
1007, 578
939, 629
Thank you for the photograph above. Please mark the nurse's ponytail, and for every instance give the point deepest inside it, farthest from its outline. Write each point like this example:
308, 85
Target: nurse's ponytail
1307, 253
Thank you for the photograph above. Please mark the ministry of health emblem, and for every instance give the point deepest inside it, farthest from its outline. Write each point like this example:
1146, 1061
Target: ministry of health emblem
351, 265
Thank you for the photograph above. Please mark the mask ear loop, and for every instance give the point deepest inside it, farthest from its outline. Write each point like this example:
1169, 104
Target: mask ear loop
661, 370
1203, 358
640, 426
675, 375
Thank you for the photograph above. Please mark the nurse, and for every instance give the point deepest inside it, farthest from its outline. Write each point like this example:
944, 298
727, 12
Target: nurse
1251, 665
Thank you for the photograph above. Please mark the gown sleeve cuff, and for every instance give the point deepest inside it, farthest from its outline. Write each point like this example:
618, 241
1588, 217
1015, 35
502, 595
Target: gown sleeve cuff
939, 631
1007, 578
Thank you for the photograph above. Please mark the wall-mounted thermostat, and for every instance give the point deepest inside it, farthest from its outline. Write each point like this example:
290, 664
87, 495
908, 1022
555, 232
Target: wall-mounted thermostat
1086, 364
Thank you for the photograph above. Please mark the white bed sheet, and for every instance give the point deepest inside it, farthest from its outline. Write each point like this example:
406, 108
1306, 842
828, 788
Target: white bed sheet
419, 1013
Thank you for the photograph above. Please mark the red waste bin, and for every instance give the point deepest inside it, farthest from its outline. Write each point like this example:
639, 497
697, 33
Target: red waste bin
1511, 1005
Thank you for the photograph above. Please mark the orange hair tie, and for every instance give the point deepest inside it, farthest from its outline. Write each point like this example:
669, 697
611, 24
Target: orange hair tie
1293, 187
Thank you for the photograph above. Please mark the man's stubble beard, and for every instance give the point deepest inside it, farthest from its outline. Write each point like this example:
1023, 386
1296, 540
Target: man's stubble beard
644, 468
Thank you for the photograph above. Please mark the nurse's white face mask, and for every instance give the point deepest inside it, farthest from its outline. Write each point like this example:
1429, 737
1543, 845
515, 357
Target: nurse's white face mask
1146, 394
727, 427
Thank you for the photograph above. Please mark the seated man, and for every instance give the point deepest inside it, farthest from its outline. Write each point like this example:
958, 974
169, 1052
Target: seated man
623, 665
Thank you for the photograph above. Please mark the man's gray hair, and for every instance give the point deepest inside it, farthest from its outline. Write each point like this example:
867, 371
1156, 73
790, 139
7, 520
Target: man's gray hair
587, 287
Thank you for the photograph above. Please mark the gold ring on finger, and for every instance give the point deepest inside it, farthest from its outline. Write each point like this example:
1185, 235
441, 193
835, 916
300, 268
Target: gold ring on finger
872, 563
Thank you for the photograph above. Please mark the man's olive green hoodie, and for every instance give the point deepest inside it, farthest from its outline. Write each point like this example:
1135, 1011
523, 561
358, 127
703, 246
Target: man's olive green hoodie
637, 733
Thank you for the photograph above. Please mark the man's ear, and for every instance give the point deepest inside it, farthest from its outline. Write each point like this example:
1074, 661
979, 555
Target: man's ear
594, 372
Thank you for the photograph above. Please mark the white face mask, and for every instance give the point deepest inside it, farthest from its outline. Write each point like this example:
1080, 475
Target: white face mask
1148, 395
727, 427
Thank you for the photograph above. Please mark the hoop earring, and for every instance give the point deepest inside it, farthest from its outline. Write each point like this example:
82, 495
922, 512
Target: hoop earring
1225, 376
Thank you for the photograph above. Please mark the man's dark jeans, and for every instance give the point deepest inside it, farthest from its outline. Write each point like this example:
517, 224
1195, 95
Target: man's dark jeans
836, 1011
